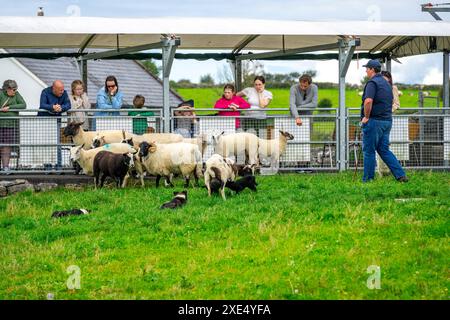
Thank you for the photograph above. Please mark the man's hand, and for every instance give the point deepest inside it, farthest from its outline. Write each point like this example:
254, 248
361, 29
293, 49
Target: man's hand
364, 120
5, 109
298, 121
57, 108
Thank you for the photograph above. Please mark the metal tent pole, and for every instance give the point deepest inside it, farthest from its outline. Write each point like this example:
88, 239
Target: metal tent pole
389, 64
445, 87
168, 54
346, 50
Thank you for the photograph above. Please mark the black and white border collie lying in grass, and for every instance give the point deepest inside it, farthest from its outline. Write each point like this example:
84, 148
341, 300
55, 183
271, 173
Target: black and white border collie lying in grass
179, 200
72, 212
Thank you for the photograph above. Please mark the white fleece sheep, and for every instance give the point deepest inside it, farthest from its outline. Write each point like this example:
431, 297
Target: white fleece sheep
243, 145
173, 158
86, 157
220, 168
81, 137
200, 141
273, 148
100, 139
157, 138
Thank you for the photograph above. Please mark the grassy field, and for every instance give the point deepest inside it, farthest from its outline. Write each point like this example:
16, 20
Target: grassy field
206, 97
299, 237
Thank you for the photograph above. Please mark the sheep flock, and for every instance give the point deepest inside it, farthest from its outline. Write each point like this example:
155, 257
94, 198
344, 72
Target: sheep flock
122, 155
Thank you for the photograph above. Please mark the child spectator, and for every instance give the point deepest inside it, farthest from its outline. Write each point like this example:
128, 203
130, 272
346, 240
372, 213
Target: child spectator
139, 117
185, 124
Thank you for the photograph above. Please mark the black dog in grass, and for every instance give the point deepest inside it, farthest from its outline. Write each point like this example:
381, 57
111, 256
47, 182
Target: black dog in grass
241, 184
72, 212
179, 200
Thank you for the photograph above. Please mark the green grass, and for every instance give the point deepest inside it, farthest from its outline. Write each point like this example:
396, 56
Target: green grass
299, 237
206, 97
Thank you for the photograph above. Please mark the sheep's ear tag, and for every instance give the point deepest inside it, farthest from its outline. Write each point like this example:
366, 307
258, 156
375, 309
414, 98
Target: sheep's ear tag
107, 146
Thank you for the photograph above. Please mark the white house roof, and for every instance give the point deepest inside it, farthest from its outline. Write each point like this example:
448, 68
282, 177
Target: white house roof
220, 33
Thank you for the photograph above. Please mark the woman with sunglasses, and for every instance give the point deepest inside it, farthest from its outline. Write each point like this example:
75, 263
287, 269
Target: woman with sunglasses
10, 101
109, 97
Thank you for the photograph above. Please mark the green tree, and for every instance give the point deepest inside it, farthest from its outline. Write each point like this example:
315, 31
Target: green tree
364, 80
207, 80
312, 73
185, 83
151, 67
325, 103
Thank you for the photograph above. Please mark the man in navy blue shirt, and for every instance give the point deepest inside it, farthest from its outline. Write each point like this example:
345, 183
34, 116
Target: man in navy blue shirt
54, 99
376, 122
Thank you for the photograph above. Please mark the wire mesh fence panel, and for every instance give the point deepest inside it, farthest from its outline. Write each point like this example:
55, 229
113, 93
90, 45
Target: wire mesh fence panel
399, 137
447, 139
114, 123
40, 144
298, 150
417, 139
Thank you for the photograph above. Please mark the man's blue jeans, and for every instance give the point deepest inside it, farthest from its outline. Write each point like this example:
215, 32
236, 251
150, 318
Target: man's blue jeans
376, 139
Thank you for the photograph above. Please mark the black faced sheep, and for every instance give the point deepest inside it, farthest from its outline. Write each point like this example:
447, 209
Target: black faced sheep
164, 160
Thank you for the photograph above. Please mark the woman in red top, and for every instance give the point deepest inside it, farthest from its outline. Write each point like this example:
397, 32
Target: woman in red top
231, 102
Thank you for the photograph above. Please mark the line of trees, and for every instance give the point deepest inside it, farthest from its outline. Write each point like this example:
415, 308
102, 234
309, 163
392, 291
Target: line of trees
273, 80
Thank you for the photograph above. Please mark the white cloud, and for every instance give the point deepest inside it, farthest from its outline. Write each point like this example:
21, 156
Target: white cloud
434, 76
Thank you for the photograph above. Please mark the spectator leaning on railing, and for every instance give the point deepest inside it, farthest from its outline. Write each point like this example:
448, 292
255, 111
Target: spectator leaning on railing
54, 99
230, 101
303, 95
109, 97
79, 100
10, 101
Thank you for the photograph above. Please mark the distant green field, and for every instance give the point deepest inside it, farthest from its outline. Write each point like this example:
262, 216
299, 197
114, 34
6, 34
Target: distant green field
206, 97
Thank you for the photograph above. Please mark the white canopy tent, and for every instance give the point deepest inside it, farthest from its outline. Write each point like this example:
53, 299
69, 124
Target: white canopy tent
208, 33
277, 38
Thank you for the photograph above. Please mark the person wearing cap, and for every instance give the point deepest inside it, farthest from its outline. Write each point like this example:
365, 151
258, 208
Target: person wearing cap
376, 123
304, 96
185, 119
10, 101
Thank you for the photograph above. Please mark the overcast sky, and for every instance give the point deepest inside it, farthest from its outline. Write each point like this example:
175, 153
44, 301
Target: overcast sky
426, 69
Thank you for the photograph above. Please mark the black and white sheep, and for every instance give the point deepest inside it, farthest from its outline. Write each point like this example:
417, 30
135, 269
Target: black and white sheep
85, 158
220, 168
165, 160
81, 137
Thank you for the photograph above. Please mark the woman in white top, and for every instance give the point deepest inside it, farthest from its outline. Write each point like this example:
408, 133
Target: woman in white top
259, 98
79, 100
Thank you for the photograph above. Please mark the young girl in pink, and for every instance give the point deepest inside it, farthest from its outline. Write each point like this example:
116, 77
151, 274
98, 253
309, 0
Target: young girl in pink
231, 102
